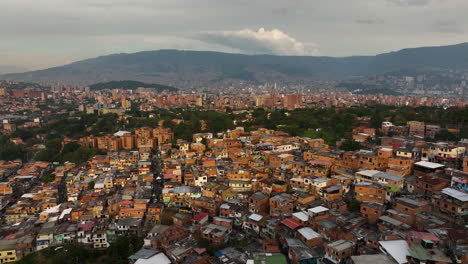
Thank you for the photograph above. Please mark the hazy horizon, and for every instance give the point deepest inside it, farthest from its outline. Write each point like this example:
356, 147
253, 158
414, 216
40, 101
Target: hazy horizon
52, 32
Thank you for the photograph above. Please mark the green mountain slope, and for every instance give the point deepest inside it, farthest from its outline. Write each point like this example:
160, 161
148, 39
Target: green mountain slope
183, 68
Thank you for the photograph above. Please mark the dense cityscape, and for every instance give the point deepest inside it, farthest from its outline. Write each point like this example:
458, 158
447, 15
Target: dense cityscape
234, 132
254, 175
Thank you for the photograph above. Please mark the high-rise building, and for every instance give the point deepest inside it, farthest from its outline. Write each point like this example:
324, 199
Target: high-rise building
292, 101
128, 141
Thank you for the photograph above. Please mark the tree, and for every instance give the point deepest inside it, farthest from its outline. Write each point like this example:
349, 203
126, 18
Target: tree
376, 119
70, 147
80, 155
350, 145
106, 124
446, 135
122, 248
64, 254
48, 177
354, 206
52, 151
11, 151
183, 131
210, 248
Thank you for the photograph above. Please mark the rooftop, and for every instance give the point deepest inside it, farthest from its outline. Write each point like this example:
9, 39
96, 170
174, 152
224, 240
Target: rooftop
255, 217
308, 233
301, 216
160, 258
428, 165
397, 249
459, 195
340, 245
390, 220
318, 209
291, 223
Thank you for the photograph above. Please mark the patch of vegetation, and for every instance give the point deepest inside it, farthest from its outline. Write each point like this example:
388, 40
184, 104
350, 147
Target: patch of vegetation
354, 206
105, 124
132, 85
330, 124
210, 248
48, 177
118, 252
350, 145
384, 91
24, 85
215, 122
72, 152
11, 151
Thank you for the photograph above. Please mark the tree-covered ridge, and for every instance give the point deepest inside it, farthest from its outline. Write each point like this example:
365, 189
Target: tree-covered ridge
130, 85
163, 66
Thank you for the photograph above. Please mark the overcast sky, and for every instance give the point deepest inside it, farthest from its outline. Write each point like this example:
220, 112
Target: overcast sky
43, 33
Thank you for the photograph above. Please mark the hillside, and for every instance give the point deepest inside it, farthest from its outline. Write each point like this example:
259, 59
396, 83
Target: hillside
185, 68
132, 85
21, 85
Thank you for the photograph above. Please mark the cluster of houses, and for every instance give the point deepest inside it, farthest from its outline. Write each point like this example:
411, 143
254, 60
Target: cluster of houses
261, 196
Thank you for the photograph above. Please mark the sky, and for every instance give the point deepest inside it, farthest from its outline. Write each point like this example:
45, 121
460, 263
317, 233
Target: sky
38, 34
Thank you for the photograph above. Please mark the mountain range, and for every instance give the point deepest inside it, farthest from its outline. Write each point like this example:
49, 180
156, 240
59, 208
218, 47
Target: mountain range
183, 68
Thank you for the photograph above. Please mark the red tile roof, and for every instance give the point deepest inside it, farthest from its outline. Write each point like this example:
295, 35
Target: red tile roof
291, 223
200, 216
88, 226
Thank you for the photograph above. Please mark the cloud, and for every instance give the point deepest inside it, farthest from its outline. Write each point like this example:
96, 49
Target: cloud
447, 26
369, 21
53, 32
262, 41
411, 2
284, 8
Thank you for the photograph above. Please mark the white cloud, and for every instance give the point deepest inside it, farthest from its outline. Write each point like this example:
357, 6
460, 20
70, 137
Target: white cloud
262, 41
